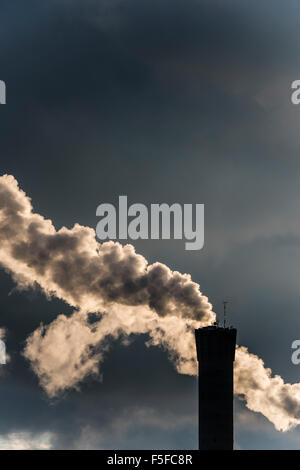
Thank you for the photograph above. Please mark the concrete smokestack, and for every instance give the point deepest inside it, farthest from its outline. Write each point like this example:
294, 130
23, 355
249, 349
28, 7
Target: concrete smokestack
215, 352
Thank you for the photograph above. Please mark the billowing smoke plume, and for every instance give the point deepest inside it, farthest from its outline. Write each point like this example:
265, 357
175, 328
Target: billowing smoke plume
278, 401
127, 296
4, 357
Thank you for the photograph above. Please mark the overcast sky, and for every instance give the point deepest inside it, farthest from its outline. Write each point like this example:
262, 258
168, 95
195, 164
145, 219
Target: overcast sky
182, 101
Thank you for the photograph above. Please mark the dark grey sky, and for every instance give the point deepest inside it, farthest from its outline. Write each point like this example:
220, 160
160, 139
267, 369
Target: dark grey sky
173, 101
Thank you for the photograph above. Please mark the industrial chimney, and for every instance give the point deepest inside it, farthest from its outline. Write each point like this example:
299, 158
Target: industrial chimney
215, 352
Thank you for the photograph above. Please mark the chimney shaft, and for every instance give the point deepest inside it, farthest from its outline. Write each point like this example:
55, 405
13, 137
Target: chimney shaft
215, 352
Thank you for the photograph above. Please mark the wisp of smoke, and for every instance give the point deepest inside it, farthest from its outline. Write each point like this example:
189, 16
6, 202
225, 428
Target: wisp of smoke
127, 295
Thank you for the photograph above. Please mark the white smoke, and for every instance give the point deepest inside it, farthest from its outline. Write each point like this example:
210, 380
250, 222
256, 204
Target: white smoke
276, 400
128, 297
